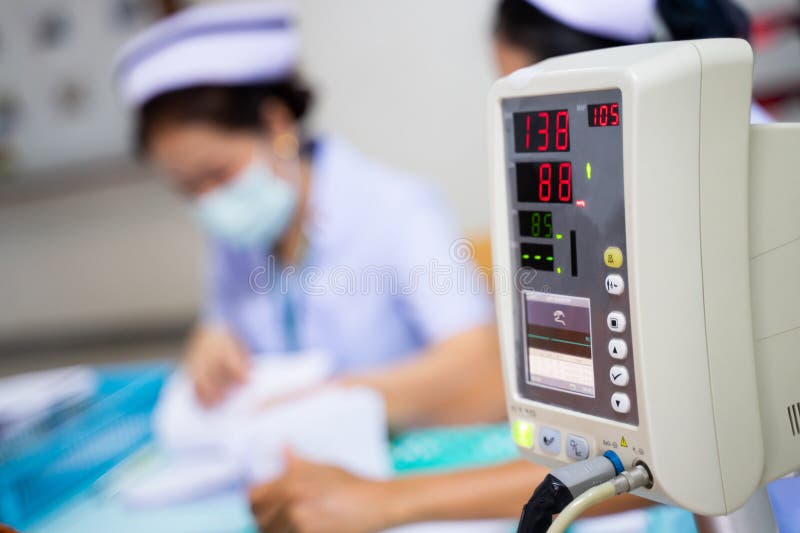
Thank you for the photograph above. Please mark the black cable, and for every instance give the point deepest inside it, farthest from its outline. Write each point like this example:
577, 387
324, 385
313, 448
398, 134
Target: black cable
561, 486
549, 498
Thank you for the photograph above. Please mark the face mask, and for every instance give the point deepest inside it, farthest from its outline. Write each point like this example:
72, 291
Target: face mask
253, 209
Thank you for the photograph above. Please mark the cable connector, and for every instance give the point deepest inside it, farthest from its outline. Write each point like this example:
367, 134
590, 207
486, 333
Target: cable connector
571, 489
626, 481
630, 480
563, 485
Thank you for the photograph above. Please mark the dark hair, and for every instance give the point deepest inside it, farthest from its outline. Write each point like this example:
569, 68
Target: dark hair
524, 25
236, 108
704, 19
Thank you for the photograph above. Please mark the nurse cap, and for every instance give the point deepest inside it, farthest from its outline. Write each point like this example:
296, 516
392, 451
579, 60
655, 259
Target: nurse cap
629, 21
222, 43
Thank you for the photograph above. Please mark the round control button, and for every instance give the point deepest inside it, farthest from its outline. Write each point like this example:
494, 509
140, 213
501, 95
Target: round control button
615, 284
612, 257
620, 402
619, 375
616, 322
550, 441
618, 349
577, 448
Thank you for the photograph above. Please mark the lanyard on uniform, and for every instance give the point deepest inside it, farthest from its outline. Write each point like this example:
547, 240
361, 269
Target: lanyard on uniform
290, 329
290, 322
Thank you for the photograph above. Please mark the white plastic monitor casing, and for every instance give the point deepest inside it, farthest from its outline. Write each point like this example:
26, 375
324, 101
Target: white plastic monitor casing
775, 288
685, 116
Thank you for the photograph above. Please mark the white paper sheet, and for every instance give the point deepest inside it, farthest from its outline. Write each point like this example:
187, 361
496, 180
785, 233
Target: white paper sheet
184, 479
26, 397
180, 423
341, 427
240, 442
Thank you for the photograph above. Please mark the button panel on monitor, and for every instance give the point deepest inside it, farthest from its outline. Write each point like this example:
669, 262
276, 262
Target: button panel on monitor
620, 402
618, 349
615, 284
613, 257
577, 448
550, 440
616, 321
619, 375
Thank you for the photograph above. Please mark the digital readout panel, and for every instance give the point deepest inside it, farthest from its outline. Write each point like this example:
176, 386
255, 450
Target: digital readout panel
536, 224
564, 165
544, 182
601, 115
542, 131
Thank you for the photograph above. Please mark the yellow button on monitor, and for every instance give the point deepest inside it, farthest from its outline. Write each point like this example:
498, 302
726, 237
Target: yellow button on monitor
522, 433
613, 257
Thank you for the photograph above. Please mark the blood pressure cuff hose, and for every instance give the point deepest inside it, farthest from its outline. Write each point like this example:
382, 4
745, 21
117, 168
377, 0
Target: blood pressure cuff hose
563, 485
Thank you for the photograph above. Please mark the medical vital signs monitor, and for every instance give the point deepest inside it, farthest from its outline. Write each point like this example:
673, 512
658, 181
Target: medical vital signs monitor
654, 236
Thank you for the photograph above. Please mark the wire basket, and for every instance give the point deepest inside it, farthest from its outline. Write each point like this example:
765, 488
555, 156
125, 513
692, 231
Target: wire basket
42, 467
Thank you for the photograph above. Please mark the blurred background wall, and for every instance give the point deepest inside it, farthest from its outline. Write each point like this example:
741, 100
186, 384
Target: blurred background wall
99, 259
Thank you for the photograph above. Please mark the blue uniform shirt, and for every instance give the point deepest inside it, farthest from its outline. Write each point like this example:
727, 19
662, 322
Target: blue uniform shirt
384, 274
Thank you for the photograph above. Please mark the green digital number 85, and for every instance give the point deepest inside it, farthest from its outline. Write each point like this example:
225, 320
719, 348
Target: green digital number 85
542, 225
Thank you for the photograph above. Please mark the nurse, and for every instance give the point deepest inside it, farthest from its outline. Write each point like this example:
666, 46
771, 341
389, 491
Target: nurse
312, 245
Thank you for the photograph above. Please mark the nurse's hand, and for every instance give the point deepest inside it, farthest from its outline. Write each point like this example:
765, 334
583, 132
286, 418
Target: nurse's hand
216, 361
313, 498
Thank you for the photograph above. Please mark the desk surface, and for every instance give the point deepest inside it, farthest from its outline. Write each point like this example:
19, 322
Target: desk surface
100, 505
99, 508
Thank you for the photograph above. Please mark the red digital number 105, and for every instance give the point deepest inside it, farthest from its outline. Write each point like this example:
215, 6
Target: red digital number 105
604, 115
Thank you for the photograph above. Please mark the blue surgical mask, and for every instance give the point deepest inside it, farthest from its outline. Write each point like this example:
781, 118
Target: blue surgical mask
252, 210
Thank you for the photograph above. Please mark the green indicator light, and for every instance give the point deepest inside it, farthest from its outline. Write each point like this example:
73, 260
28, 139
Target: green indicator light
522, 433
549, 258
537, 257
526, 256
558, 270
559, 236
588, 170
